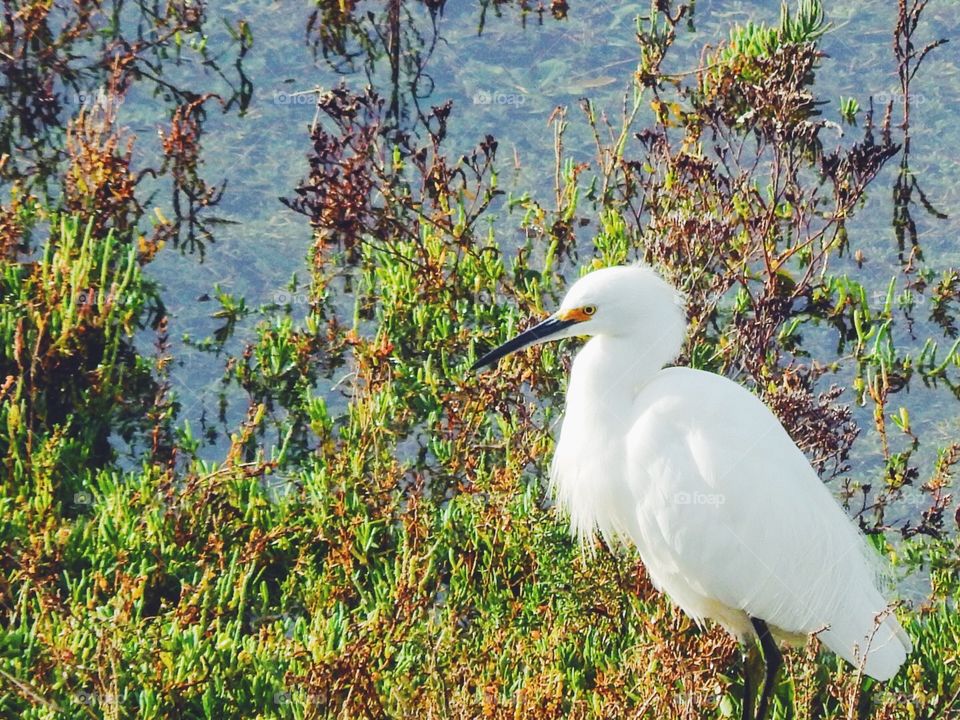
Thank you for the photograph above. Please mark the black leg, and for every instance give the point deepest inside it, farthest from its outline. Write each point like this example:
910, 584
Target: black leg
772, 659
749, 689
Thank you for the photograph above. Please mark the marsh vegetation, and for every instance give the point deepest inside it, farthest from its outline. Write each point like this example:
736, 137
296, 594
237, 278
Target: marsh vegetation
227, 493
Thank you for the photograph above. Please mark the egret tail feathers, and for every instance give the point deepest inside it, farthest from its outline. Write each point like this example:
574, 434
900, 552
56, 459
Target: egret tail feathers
875, 642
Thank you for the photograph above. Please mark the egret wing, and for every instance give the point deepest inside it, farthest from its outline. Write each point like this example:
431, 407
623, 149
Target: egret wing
729, 511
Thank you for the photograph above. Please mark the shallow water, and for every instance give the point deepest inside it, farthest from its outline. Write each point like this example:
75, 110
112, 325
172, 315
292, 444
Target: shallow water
506, 81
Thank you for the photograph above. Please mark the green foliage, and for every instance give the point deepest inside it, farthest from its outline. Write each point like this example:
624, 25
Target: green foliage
760, 77
806, 25
761, 42
849, 107
67, 322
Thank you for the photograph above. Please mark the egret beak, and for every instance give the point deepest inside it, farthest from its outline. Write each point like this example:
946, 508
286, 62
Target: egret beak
537, 334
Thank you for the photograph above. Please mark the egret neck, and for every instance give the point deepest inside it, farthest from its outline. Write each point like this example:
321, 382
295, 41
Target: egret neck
606, 377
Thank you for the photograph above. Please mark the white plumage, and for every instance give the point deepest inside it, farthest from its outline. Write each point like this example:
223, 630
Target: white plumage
730, 519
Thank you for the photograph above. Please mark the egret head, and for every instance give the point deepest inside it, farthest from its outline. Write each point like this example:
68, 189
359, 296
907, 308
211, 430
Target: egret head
630, 301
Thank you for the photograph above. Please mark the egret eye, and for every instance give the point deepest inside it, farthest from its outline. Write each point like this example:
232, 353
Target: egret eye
589, 309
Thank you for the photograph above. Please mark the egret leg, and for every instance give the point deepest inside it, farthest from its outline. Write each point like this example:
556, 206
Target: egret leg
750, 661
772, 660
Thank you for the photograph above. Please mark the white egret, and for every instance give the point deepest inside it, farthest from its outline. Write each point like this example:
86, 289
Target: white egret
730, 519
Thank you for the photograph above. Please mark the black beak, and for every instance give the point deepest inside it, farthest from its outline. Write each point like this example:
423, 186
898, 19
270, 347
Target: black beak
538, 333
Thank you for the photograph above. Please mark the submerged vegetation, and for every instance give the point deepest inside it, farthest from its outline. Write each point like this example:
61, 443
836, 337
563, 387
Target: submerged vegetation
373, 539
